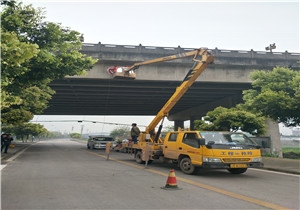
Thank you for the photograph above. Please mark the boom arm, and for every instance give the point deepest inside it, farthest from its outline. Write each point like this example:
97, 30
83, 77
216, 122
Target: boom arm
167, 58
128, 72
198, 67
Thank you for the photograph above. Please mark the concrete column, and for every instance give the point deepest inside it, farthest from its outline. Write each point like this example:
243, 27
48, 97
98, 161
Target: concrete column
192, 123
177, 124
274, 134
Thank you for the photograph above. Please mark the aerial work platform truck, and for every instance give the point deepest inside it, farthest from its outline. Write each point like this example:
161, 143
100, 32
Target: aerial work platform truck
191, 150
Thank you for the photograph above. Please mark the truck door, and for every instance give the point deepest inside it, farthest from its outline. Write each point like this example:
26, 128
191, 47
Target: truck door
191, 140
191, 147
170, 146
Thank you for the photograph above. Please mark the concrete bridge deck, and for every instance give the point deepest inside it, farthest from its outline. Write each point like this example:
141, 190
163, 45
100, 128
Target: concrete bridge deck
229, 65
221, 83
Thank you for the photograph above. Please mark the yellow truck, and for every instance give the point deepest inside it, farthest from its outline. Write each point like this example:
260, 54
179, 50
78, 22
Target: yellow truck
193, 150
190, 149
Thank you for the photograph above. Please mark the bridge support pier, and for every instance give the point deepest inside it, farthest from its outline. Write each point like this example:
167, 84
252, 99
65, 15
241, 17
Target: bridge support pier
192, 119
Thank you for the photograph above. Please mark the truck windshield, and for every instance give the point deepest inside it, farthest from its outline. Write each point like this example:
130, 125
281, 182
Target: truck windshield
226, 138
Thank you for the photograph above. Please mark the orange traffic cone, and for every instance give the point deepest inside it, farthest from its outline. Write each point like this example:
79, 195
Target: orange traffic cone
171, 182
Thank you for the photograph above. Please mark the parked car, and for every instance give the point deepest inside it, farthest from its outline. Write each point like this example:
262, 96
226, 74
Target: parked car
99, 142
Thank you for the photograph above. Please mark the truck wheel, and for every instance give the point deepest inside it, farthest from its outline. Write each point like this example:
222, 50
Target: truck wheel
88, 146
186, 166
138, 157
237, 170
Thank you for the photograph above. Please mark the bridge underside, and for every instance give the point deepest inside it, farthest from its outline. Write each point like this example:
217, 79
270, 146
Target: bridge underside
82, 96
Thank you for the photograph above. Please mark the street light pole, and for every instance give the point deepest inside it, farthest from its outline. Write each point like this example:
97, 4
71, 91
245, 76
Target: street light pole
81, 129
270, 47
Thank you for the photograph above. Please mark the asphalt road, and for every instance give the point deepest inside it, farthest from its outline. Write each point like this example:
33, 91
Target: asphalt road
63, 174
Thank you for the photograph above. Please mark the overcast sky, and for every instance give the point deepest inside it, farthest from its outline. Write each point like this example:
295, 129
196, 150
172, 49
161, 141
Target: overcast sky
231, 25
222, 24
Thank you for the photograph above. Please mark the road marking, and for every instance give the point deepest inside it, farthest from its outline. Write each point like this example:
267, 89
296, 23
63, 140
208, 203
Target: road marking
198, 184
17, 155
14, 157
275, 172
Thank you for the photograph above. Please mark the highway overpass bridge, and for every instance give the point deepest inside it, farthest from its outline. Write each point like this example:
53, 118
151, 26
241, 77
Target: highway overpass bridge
221, 84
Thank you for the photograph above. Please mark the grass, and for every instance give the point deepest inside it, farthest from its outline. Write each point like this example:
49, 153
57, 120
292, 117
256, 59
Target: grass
292, 152
294, 149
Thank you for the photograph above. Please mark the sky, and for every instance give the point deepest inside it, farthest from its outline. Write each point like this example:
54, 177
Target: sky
231, 25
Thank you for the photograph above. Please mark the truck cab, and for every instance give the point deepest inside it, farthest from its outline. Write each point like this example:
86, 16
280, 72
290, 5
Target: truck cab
182, 142
212, 149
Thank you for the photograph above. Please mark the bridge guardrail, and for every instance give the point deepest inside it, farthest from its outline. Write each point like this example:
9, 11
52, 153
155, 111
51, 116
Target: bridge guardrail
223, 56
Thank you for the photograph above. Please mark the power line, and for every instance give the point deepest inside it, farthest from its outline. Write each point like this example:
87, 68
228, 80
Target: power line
81, 121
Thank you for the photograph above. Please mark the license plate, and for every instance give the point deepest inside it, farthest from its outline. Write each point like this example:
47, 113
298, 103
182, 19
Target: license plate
238, 165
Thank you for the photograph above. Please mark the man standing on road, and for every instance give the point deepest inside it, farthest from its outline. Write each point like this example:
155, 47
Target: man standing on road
135, 132
5, 141
3, 136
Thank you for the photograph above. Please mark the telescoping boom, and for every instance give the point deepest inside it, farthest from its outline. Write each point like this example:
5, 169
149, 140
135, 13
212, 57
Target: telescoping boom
201, 57
128, 72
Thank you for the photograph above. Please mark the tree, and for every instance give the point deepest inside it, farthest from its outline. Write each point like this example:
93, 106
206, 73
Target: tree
120, 133
168, 128
75, 135
275, 95
233, 119
34, 53
24, 130
14, 55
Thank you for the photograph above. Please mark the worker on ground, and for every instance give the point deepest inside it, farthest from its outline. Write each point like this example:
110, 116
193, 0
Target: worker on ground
135, 132
5, 141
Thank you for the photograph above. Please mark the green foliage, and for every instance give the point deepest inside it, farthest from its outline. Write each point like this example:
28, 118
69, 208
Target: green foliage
295, 149
13, 55
233, 119
120, 133
34, 53
75, 135
274, 155
25, 130
168, 128
15, 116
291, 152
276, 95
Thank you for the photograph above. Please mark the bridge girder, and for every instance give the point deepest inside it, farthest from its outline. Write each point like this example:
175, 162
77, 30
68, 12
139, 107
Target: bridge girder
81, 96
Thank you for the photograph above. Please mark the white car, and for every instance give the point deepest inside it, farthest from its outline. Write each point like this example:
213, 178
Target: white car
99, 142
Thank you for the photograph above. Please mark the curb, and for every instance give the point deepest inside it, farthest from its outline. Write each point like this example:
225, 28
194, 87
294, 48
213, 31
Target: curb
291, 166
11, 152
